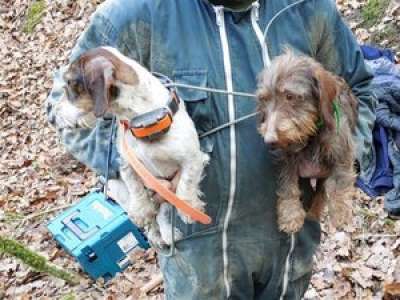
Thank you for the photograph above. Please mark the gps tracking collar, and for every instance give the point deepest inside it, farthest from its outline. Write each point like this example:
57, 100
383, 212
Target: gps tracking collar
154, 124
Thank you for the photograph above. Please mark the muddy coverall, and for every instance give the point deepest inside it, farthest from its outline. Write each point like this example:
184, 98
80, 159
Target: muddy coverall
242, 254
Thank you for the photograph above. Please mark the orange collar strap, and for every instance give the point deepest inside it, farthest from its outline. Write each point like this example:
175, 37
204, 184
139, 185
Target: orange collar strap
154, 124
154, 184
153, 130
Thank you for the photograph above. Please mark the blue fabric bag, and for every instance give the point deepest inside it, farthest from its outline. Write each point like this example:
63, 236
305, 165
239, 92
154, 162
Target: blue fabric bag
385, 178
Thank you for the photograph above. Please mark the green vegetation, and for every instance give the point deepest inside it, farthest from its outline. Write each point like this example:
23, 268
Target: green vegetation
365, 212
70, 296
34, 15
11, 217
34, 260
389, 223
373, 11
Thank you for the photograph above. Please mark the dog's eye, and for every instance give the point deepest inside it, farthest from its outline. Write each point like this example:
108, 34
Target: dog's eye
114, 92
290, 96
74, 85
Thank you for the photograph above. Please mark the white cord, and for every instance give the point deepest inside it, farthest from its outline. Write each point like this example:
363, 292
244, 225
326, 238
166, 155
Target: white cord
169, 83
211, 90
278, 14
245, 117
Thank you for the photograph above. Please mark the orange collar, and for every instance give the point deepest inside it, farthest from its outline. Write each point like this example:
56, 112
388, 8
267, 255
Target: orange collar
154, 124
154, 184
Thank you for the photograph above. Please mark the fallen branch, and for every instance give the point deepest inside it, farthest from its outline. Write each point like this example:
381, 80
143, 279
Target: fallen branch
46, 212
367, 236
154, 282
34, 260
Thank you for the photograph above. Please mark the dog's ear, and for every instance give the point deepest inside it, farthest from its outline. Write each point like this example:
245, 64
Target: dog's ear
326, 90
125, 73
102, 70
99, 74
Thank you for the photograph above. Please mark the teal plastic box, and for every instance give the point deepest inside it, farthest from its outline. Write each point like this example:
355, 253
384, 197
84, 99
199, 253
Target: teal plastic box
99, 234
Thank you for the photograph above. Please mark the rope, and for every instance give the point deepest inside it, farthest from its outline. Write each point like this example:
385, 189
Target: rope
279, 14
211, 90
218, 91
109, 150
241, 119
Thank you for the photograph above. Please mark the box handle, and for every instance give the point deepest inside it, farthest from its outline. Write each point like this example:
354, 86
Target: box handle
69, 223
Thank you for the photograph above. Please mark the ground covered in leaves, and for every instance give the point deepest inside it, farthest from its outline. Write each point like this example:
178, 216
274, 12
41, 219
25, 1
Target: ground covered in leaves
38, 178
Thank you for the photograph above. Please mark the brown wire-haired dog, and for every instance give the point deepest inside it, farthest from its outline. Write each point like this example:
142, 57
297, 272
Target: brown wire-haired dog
308, 117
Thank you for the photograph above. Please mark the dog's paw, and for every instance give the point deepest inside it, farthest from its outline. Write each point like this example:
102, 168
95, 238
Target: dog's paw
340, 210
144, 216
290, 219
341, 218
154, 236
293, 223
163, 236
168, 237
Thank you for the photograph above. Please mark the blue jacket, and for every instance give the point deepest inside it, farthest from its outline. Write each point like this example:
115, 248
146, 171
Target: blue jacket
195, 43
386, 169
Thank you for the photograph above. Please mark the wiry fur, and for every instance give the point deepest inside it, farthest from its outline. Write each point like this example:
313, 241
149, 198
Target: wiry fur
295, 94
103, 80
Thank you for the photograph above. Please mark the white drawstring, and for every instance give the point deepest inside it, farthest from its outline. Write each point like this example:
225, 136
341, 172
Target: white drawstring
278, 14
225, 125
218, 128
211, 90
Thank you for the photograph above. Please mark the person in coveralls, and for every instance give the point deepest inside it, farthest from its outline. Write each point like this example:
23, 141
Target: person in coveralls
220, 44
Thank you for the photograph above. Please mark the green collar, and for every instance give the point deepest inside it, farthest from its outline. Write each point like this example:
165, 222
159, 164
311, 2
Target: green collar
337, 111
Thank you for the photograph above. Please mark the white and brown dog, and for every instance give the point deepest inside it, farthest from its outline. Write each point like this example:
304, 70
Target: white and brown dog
104, 81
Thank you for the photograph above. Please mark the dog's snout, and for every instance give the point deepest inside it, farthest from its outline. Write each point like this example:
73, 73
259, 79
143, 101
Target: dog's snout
271, 139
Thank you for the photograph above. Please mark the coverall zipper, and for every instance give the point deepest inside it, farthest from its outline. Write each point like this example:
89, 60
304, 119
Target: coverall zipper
261, 36
220, 17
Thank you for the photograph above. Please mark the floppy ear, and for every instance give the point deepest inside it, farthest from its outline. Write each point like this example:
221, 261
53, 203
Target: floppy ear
99, 80
122, 70
125, 73
326, 92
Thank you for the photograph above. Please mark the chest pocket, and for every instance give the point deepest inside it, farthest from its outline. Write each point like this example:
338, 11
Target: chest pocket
197, 103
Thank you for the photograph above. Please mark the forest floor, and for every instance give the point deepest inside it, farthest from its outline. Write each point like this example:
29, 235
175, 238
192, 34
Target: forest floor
38, 178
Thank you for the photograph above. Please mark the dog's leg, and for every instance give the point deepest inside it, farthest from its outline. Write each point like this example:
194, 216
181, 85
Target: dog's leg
188, 186
140, 206
339, 188
160, 231
291, 213
165, 225
318, 201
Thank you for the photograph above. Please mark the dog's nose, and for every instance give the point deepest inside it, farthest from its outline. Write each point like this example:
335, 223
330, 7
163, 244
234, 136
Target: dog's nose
271, 140
273, 145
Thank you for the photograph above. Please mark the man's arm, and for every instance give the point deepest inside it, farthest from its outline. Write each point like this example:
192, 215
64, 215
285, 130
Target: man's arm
339, 52
109, 26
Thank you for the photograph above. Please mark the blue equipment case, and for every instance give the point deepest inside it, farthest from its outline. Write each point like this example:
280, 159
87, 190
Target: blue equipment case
99, 234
